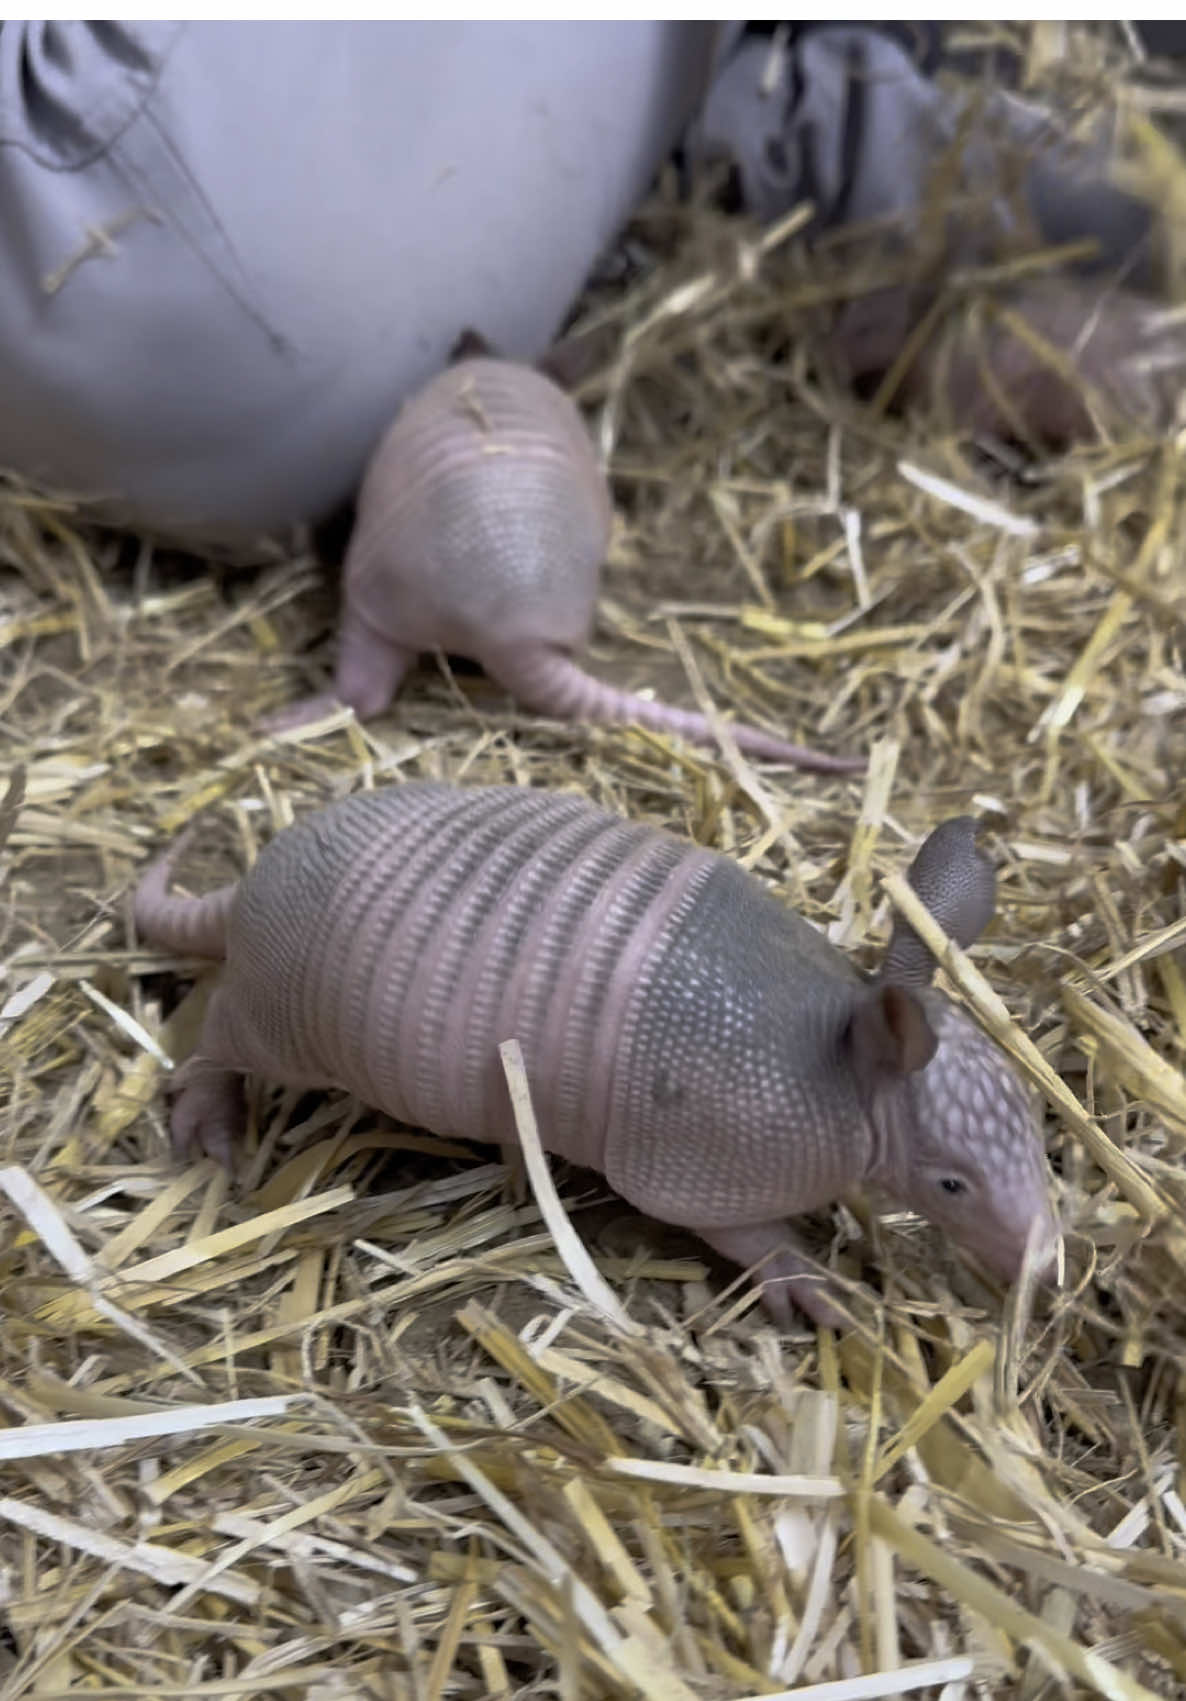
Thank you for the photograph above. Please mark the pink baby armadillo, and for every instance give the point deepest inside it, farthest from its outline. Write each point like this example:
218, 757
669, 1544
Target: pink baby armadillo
685, 1034
483, 522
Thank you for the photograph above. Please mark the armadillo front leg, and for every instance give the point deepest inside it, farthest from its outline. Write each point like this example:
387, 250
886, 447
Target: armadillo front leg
786, 1275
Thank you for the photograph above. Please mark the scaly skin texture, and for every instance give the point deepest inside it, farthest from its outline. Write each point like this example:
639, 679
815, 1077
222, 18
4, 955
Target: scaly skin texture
685, 1033
483, 511
483, 523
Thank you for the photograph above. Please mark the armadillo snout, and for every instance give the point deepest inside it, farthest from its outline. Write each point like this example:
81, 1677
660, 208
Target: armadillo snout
1015, 1231
1000, 1225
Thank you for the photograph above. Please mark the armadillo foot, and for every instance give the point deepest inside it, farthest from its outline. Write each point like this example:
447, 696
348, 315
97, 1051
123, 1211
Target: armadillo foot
370, 671
209, 1114
300, 713
786, 1275
370, 668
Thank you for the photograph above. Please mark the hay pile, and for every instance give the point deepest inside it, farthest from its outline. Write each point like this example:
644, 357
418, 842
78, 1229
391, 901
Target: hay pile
365, 1424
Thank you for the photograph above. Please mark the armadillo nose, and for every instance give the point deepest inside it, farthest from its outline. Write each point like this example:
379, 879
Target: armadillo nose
1046, 1261
1043, 1242
1037, 1253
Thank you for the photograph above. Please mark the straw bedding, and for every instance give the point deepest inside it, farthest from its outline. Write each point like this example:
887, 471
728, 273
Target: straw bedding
372, 1418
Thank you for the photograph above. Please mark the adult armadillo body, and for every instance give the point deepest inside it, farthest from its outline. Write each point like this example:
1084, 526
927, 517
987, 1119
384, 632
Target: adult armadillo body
483, 523
685, 1034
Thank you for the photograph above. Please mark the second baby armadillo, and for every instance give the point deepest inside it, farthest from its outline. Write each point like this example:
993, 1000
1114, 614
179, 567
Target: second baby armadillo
483, 523
685, 1033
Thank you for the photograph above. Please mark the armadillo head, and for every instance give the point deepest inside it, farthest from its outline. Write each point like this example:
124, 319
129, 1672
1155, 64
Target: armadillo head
955, 1135
961, 1147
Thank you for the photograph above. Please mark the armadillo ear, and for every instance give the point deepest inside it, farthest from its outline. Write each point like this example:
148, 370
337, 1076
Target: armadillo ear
958, 884
890, 1034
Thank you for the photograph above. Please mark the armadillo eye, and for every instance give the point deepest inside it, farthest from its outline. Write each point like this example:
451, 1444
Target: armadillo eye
952, 1184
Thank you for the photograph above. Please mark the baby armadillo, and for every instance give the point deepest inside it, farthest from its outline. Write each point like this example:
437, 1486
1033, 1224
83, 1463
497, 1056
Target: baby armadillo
685, 1033
1030, 373
483, 522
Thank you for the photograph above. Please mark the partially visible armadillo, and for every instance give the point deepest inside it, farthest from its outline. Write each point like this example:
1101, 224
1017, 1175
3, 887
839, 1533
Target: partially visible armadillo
1111, 349
483, 523
685, 1033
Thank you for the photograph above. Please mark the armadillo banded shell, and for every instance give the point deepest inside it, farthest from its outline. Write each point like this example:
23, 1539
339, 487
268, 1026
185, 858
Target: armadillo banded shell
435, 923
483, 512
390, 943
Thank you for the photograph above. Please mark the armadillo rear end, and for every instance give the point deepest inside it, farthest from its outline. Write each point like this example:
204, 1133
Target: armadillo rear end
484, 517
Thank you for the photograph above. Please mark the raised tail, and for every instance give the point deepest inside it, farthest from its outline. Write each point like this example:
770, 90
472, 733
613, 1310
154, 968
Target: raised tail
193, 927
552, 683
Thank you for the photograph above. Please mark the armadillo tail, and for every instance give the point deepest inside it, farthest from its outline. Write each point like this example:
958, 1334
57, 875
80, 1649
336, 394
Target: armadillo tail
552, 683
193, 927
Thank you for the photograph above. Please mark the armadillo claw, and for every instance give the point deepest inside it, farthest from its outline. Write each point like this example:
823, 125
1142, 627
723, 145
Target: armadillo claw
208, 1113
788, 1279
785, 1292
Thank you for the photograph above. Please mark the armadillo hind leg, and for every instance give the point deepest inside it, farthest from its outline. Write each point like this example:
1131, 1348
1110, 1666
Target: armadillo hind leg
209, 1111
370, 671
371, 668
786, 1275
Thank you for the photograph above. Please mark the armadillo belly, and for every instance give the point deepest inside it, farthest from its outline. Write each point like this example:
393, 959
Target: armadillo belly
391, 942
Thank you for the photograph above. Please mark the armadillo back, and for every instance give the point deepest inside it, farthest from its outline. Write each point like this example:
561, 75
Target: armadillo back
392, 941
483, 516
